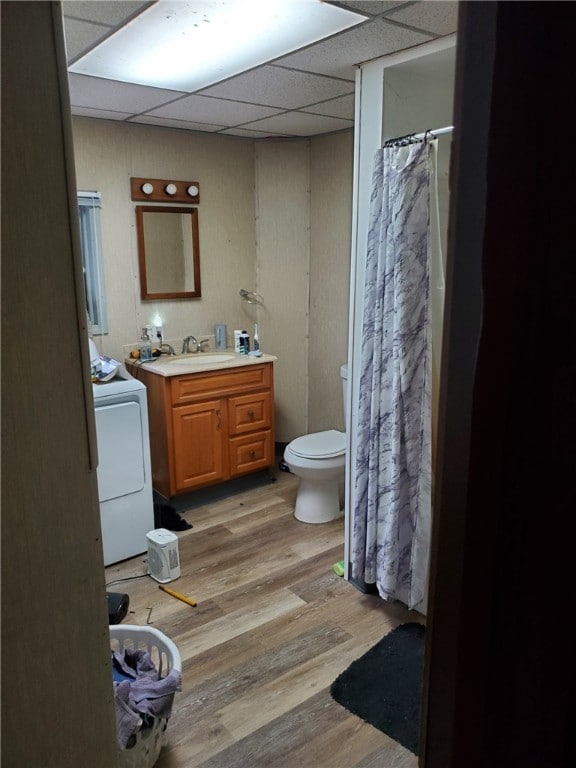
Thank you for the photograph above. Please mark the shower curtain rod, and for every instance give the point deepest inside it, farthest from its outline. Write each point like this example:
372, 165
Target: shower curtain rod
435, 132
409, 138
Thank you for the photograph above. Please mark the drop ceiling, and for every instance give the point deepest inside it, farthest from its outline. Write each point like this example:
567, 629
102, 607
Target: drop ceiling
308, 92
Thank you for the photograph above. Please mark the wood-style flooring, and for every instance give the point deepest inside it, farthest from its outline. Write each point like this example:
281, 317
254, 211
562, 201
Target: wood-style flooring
273, 627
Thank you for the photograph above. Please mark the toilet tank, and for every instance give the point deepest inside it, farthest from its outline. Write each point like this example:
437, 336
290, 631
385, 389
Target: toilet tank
344, 377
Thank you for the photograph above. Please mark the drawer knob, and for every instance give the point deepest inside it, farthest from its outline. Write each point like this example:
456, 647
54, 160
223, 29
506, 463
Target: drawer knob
252, 455
251, 415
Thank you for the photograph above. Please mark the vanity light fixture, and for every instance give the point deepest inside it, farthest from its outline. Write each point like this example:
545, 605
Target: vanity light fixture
165, 190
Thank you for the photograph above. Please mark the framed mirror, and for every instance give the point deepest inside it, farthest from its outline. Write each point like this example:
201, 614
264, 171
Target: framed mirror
168, 252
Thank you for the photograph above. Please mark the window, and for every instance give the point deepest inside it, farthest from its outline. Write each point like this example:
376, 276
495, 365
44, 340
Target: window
89, 206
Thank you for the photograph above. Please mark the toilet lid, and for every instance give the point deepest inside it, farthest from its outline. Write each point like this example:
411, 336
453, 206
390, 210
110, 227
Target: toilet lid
320, 445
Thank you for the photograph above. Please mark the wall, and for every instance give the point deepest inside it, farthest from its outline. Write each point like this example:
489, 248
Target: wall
57, 697
283, 257
416, 98
107, 155
304, 208
331, 226
274, 217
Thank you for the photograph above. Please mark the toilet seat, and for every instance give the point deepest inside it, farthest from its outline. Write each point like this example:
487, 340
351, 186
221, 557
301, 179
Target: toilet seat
320, 445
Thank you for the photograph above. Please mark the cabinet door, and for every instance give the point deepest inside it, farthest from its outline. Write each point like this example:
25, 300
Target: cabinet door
199, 434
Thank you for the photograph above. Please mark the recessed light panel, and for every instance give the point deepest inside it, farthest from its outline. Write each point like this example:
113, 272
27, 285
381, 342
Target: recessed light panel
186, 46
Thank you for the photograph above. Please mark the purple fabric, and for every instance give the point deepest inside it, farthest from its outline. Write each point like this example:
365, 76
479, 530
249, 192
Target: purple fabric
145, 694
127, 721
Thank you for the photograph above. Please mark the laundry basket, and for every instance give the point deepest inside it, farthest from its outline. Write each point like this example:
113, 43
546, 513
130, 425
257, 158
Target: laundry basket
144, 748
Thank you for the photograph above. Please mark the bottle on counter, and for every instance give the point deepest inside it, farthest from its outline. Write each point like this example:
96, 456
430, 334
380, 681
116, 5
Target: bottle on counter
145, 346
244, 343
256, 339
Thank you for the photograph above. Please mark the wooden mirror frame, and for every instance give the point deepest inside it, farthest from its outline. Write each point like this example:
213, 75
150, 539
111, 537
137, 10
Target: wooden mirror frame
145, 294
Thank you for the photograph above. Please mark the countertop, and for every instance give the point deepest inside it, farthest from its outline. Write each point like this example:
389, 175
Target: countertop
198, 362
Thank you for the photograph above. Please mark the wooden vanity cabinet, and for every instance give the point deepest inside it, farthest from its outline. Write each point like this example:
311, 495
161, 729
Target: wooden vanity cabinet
209, 427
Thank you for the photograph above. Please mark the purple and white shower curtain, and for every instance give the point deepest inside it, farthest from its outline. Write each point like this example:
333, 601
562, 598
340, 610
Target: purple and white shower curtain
391, 515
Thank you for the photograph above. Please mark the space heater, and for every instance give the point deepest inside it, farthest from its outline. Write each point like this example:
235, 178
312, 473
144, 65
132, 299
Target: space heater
163, 560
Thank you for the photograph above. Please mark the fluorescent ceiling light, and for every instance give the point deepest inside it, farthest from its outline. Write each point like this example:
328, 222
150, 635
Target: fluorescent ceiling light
185, 46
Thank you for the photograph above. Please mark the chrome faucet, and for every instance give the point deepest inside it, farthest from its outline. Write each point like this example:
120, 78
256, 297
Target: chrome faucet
186, 344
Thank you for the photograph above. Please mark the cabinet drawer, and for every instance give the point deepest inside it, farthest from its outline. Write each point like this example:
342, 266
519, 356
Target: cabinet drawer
198, 386
250, 452
249, 413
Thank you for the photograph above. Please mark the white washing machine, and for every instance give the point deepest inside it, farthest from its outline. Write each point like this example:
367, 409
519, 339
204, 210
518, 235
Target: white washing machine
124, 472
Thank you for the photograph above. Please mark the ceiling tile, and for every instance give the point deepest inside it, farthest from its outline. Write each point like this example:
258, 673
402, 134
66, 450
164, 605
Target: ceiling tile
441, 18
304, 93
281, 88
342, 107
301, 124
103, 114
110, 94
109, 12
370, 7
188, 125
251, 134
80, 36
339, 56
208, 109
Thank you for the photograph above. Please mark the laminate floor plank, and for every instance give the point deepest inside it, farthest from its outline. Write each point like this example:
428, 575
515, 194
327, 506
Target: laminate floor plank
226, 686
273, 627
342, 738
288, 690
249, 558
285, 577
391, 755
272, 745
236, 623
258, 518
236, 507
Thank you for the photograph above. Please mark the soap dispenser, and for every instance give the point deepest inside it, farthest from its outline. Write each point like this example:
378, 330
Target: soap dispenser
145, 346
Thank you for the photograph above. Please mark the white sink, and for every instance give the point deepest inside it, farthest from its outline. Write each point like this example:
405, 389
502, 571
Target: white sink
201, 358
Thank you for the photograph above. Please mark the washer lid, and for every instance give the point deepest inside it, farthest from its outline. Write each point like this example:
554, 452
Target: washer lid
123, 382
320, 445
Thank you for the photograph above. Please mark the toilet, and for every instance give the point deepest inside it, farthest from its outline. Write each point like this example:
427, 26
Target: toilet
319, 460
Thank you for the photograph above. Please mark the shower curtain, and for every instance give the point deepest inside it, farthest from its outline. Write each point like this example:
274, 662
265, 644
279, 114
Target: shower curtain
391, 519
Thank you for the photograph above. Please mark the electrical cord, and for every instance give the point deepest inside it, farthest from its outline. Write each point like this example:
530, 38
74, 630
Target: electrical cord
126, 578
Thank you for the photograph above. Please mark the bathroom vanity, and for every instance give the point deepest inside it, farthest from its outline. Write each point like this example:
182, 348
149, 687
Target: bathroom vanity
211, 418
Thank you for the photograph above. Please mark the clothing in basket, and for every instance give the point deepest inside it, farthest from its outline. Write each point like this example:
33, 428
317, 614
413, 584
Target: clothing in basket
140, 694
